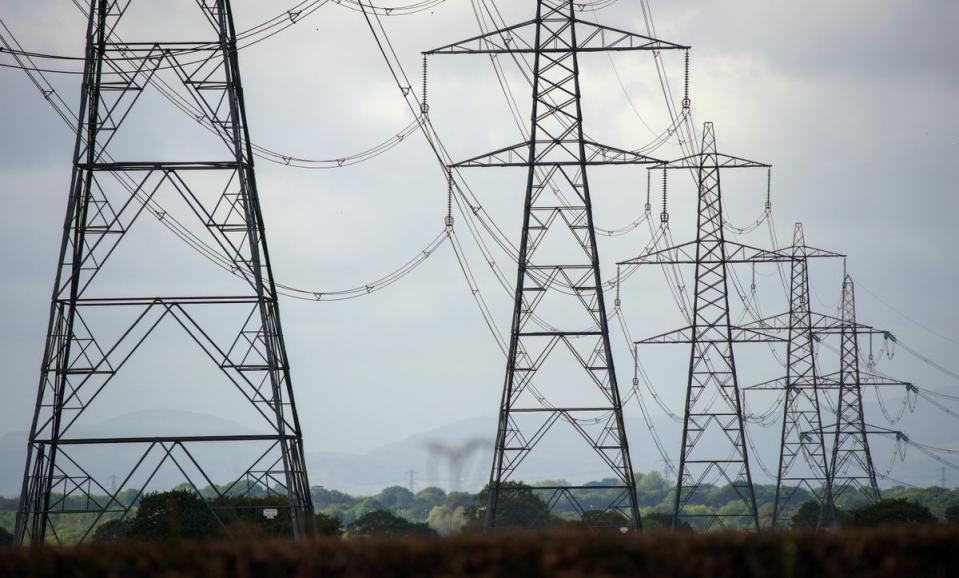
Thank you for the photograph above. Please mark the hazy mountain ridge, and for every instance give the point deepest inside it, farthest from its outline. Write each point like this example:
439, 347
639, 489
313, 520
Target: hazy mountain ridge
428, 454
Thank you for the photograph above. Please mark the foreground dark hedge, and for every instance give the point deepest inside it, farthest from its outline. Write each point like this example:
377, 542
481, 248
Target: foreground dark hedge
894, 552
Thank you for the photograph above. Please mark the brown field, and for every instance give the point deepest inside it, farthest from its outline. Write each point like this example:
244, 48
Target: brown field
893, 552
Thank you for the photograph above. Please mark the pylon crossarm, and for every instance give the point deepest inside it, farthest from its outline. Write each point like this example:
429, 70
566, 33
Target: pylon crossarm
521, 39
879, 430
814, 252
834, 380
685, 254
682, 335
685, 335
828, 381
775, 384
741, 253
679, 254
556, 152
820, 324
597, 153
873, 379
712, 161
511, 156
869, 429
596, 37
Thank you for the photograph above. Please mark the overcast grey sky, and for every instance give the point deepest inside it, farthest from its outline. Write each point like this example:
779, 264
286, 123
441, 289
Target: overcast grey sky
856, 103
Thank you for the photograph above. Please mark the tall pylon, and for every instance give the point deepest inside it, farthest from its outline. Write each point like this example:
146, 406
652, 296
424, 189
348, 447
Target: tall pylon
559, 364
851, 465
103, 330
802, 454
714, 443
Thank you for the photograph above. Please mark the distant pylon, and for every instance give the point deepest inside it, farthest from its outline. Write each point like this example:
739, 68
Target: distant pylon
100, 320
802, 453
559, 364
851, 464
713, 415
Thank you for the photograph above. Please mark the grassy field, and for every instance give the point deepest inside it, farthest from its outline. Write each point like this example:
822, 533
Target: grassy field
893, 552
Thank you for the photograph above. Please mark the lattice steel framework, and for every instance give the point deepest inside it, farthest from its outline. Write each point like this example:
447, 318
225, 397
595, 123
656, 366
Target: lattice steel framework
851, 465
546, 334
802, 455
713, 412
85, 353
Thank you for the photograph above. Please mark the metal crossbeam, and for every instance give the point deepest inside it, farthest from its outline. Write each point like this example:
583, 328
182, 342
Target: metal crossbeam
531, 37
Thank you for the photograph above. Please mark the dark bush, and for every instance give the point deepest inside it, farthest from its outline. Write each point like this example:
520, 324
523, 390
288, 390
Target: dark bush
177, 514
809, 516
895, 511
952, 515
6, 538
654, 522
927, 552
518, 507
112, 530
185, 515
383, 523
605, 520
325, 525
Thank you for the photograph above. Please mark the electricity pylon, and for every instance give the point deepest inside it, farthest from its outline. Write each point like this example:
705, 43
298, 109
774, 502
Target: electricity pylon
850, 462
803, 461
559, 363
713, 414
802, 455
102, 325
851, 465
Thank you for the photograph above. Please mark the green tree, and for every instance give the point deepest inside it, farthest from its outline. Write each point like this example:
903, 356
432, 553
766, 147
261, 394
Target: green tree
112, 530
383, 523
246, 515
172, 515
458, 499
890, 511
518, 507
605, 520
324, 498
657, 522
395, 498
807, 516
326, 525
361, 507
427, 499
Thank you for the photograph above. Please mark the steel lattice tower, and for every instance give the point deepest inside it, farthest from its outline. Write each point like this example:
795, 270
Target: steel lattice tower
802, 455
851, 465
86, 353
713, 412
559, 339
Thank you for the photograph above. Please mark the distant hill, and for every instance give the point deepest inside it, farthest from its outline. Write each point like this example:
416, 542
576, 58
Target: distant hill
429, 453
562, 455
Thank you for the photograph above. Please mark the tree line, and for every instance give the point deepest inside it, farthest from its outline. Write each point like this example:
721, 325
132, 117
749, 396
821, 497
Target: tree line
253, 510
